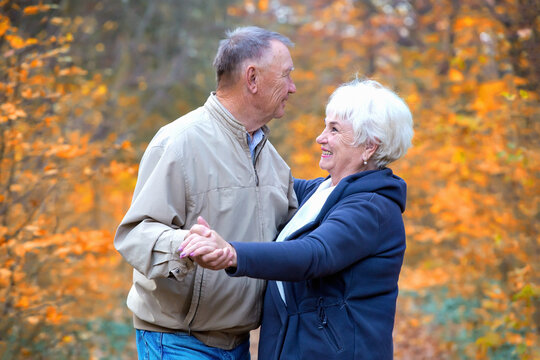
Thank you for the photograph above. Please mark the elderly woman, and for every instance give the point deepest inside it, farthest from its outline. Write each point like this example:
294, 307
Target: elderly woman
335, 266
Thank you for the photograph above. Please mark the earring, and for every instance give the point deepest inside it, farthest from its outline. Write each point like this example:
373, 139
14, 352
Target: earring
365, 162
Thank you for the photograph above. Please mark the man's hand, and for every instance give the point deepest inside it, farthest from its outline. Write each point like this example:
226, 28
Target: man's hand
207, 248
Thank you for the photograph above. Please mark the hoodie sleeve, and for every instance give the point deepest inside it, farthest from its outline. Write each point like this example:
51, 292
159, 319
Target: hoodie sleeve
349, 234
151, 232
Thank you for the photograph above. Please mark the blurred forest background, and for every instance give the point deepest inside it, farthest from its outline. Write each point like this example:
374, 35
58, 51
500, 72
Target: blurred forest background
84, 85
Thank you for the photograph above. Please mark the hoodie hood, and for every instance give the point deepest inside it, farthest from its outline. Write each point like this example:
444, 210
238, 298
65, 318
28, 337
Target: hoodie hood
382, 182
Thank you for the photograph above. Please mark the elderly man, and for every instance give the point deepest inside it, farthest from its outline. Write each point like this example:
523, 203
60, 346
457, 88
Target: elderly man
215, 162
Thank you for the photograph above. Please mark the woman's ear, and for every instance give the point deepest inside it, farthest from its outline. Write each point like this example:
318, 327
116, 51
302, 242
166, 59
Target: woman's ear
370, 149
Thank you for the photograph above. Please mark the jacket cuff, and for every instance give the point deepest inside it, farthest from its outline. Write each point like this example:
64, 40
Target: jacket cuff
236, 271
178, 267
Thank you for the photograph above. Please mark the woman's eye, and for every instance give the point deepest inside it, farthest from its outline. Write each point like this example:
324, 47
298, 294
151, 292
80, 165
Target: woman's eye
334, 129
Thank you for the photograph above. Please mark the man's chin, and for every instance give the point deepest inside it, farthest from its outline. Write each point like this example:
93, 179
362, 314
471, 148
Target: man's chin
280, 113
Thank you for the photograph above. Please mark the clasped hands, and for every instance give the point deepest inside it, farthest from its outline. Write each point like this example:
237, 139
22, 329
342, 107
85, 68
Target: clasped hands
207, 248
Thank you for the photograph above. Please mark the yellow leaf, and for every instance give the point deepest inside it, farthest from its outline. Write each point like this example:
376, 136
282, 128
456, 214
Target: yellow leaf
433, 38
67, 339
16, 188
53, 316
464, 23
74, 70
126, 145
15, 41
30, 41
4, 24
528, 292
83, 198
263, 5
491, 339
66, 151
489, 96
5, 275
26, 93
101, 90
31, 10
34, 9
22, 302
455, 75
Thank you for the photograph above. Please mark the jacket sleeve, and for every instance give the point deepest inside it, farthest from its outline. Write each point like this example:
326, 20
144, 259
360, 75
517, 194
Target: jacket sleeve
293, 201
348, 234
151, 232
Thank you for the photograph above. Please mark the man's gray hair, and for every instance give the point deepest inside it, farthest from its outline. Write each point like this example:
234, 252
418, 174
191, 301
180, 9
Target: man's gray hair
377, 115
242, 44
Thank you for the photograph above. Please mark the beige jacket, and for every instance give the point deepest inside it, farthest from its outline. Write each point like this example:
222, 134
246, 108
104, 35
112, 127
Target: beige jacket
200, 164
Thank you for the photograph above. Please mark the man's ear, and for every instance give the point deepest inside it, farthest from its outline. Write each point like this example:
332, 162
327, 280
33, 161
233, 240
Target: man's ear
251, 78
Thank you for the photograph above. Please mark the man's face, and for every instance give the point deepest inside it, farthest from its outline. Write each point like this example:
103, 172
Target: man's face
275, 81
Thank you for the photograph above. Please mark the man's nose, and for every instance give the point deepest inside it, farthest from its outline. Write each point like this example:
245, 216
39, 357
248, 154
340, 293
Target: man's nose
292, 87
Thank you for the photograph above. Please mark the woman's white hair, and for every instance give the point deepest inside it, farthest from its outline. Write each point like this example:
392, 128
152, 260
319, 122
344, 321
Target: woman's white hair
378, 116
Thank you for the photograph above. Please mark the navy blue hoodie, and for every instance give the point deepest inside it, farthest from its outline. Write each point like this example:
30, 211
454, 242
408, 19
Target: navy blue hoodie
340, 273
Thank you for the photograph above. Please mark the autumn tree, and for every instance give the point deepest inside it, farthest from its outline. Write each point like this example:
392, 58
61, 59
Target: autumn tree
83, 86
60, 189
469, 71
80, 83
150, 51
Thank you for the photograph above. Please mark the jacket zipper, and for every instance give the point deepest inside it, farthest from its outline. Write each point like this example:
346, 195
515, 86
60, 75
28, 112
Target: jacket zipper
257, 152
325, 326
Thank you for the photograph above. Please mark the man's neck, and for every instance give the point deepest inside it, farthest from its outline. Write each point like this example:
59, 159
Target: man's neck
240, 108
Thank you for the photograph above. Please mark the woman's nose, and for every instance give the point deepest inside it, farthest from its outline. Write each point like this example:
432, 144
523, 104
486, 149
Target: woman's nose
321, 138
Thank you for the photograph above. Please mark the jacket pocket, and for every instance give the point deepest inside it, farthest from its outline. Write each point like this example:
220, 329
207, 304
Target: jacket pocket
328, 330
230, 304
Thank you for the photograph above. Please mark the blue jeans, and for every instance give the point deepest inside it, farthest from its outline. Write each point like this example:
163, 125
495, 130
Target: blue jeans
152, 345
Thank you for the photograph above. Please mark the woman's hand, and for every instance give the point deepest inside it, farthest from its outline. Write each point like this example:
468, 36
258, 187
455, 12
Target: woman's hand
207, 248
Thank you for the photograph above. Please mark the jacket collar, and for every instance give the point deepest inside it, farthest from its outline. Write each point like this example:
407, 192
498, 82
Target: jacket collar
224, 117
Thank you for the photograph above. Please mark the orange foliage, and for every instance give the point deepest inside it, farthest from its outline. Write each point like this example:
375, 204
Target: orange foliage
472, 174
467, 69
61, 195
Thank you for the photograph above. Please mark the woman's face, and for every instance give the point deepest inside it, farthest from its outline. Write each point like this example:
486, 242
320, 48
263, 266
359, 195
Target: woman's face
339, 156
